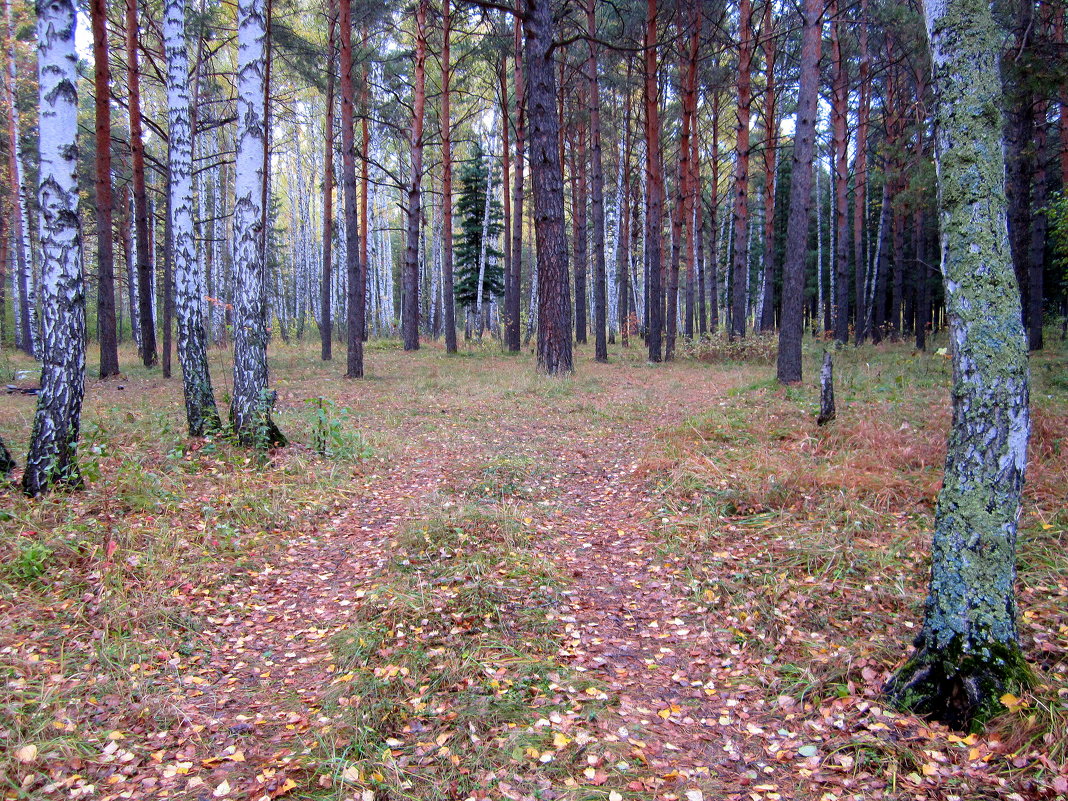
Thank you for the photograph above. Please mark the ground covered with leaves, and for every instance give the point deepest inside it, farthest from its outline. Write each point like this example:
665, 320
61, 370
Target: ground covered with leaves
464, 580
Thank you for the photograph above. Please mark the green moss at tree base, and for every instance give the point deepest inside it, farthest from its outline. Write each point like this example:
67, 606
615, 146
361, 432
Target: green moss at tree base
958, 687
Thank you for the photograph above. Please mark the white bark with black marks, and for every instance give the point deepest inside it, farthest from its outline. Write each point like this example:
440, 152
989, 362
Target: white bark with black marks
53, 447
252, 402
200, 411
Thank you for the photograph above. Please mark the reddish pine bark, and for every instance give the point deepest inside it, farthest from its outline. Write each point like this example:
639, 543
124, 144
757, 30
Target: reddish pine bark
654, 185
325, 296
740, 268
771, 131
547, 179
137, 154
410, 274
105, 243
446, 189
860, 180
839, 135
511, 301
600, 299
353, 317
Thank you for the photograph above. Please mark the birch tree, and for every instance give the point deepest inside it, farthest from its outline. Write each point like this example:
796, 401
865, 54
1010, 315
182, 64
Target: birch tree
200, 411
252, 402
53, 446
968, 652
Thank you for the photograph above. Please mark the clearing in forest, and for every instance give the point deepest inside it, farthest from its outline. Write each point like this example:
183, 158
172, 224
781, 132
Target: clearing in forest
464, 580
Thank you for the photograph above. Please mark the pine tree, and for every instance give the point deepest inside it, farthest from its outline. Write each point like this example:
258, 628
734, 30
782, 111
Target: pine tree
471, 209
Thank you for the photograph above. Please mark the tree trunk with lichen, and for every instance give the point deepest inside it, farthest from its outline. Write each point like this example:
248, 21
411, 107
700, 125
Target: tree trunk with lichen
968, 653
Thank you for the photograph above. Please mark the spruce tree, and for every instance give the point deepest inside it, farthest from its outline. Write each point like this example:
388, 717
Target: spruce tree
475, 176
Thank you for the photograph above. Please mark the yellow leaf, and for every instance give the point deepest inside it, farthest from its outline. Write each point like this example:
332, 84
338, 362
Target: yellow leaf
929, 769
974, 755
378, 777
1010, 700
351, 774
286, 787
560, 740
26, 754
237, 756
222, 789
664, 713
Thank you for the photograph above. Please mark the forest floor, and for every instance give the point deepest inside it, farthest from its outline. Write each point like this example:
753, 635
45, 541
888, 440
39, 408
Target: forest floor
465, 580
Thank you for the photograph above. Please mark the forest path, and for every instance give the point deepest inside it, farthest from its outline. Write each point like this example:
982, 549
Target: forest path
630, 617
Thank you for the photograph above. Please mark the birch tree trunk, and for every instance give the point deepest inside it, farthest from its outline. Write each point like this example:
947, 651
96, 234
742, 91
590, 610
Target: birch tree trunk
252, 401
200, 411
968, 652
53, 447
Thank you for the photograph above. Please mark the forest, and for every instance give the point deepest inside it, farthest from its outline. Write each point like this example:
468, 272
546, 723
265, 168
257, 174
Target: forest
534, 399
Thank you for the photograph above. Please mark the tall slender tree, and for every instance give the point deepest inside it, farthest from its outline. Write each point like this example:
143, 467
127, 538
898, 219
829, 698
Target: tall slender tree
448, 304
511, 300
105, 246
654, 187
355, 295
52, 459
24, 321
413, 211
252, 400
555, 355
791, 326
325, 311
600, 284
145, 289
200, 411
968, 652
740, 264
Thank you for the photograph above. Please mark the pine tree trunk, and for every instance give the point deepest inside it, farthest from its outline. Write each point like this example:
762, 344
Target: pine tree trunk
547, 181
791, 325
354, 294
140, 192
600, 289
654, 189
860, 180
968, 653
1037, 253
200, 411
578, 227
252, 401
511, 302
19, 222
771, 128
839, 114
740, 265
410, 274
713, 214
325, 312
448, 293
53, 446
105, 248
